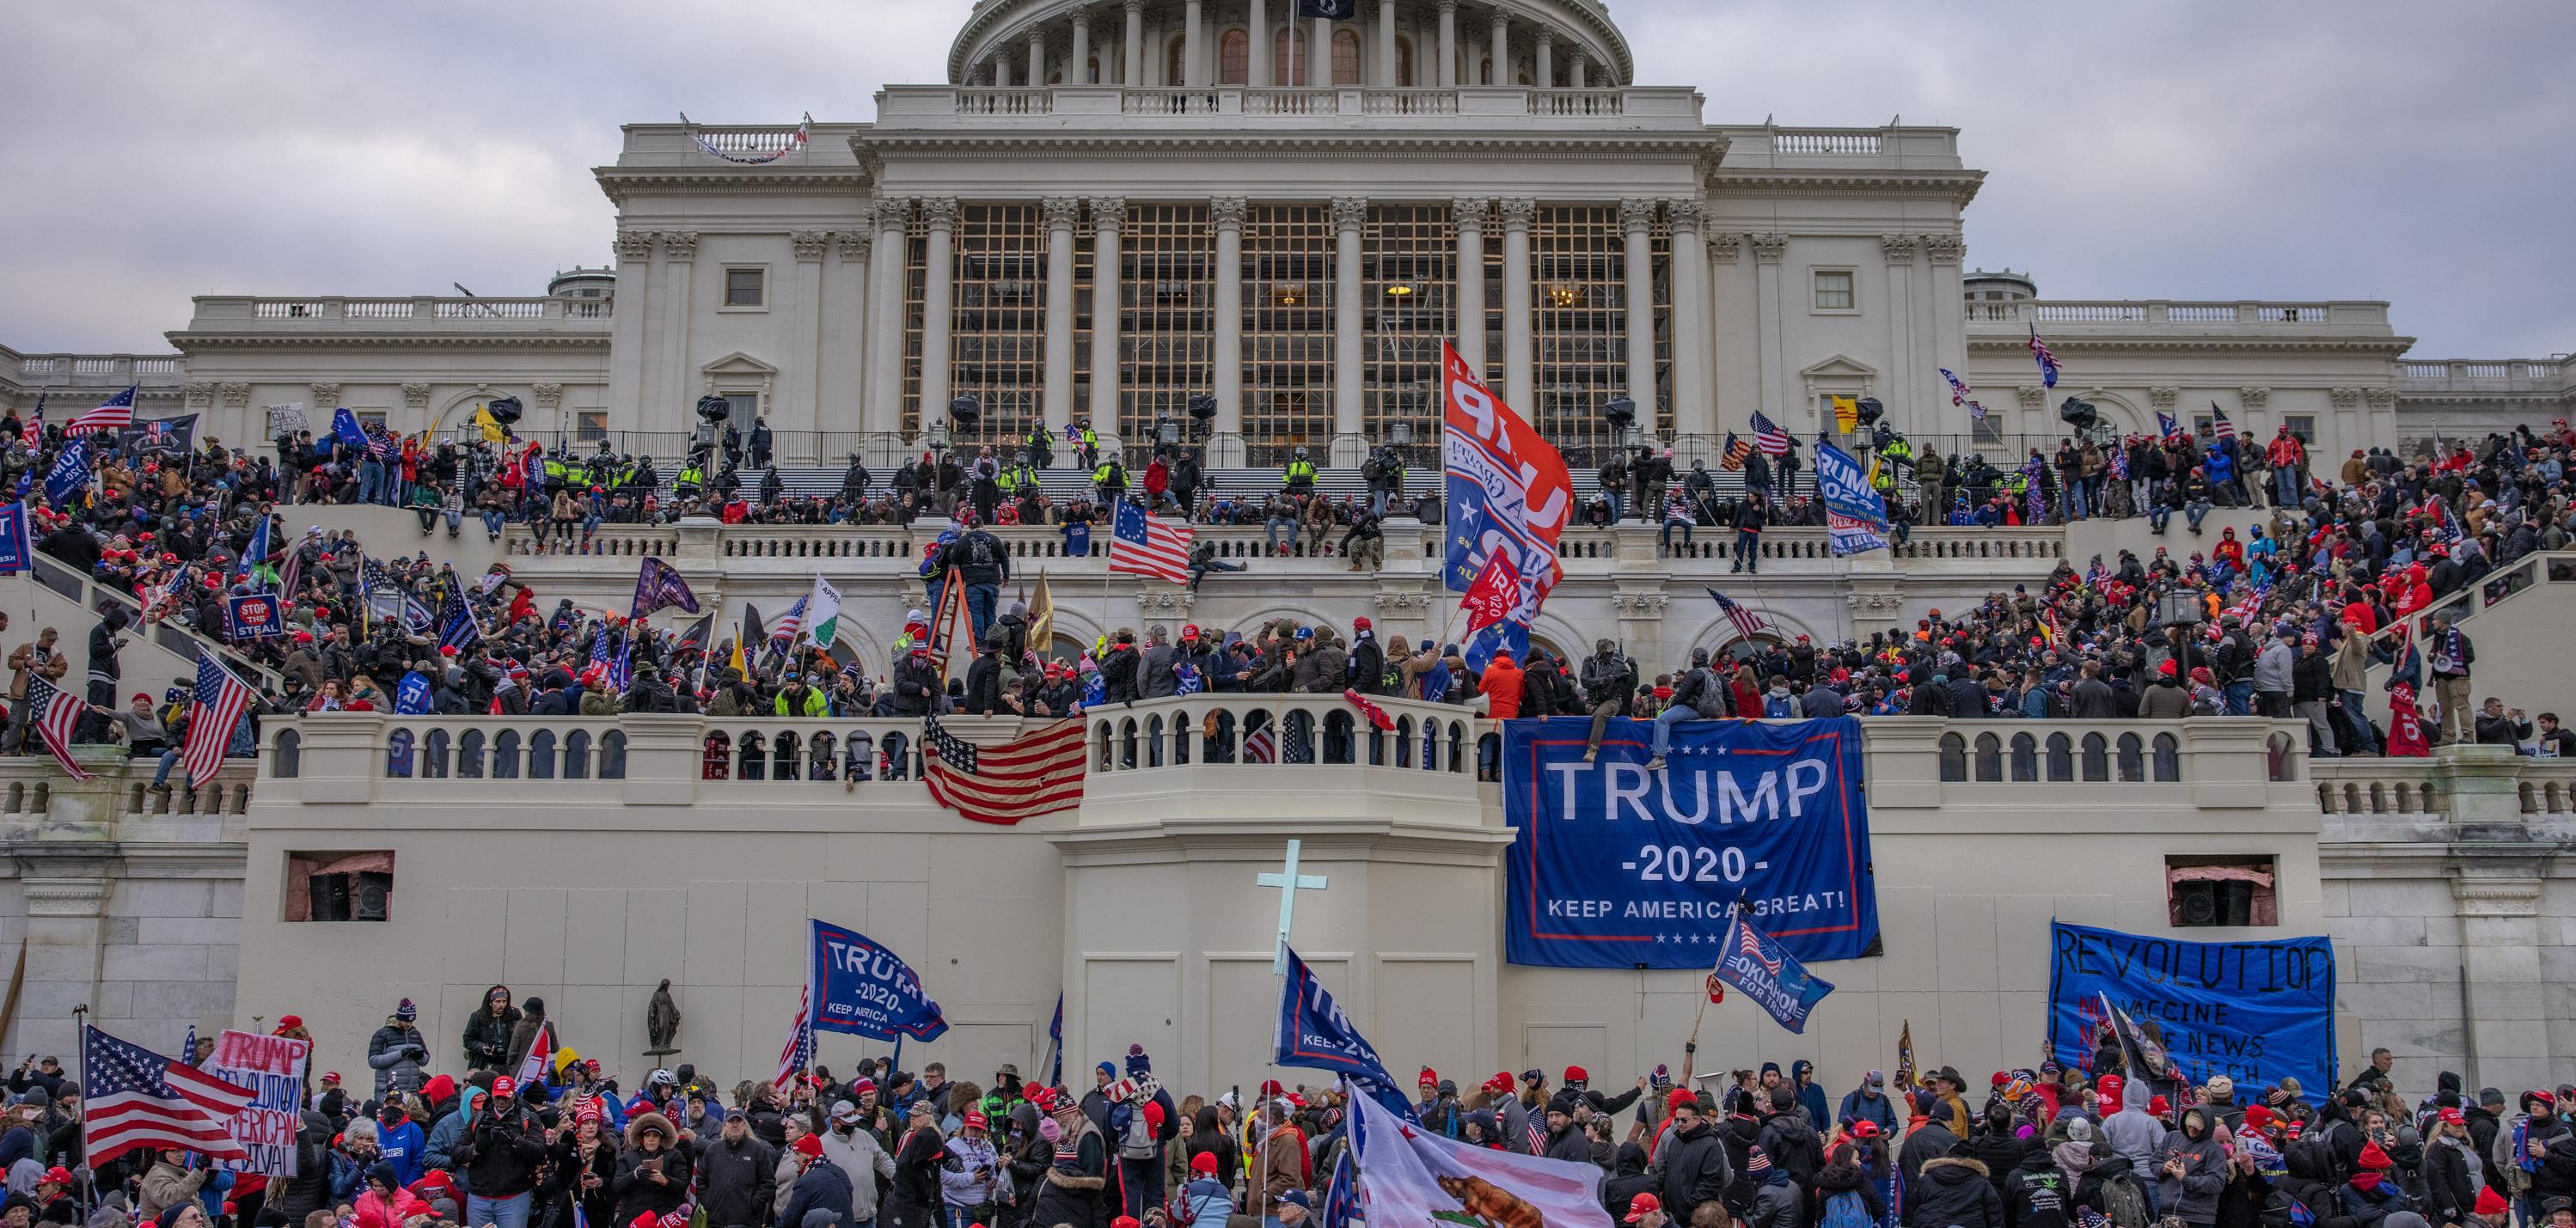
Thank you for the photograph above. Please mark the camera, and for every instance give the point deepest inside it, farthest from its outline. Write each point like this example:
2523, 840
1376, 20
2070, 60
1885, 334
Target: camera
504, 410
713, 409
2079, 414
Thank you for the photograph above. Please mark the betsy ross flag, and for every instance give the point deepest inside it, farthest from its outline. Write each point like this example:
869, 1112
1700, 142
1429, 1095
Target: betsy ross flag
1149, 545
1736, 450
55, 713
799, 1051
1039, 773
1747, 623
213, 714
2219, 426
2047, 358
113, 414
140, 1100
1771, 439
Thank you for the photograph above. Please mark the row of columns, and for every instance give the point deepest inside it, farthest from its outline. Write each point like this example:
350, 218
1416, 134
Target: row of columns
1198, 62
1473, 218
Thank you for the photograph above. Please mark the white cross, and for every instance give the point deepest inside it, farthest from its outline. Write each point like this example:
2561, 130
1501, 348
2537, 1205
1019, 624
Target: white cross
1289, 882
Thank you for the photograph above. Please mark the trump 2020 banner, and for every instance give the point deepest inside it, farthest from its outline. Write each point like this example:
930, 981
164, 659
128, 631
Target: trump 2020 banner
1313, 1031
866, 990
1613, 866
1855, 516
2254, 1011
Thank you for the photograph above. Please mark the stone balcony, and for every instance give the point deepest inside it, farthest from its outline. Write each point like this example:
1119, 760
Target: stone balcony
2082, 317
101, 373
424, 318
1230, 108
2539, 380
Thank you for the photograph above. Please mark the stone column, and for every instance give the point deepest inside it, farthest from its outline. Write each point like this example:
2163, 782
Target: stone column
1637, 221
1693, 412
1545, 76
1386, 44
1257, 72
1468, 213
1319, 54
803, 388
1057, 400
1448, 44
1519, 375
1037, 57
1579, 73
1128, 73
1767, 308
885, 322
1108, 213
1350, 213
1078, 72
1193, 42
1502, 51
1898, 251
1226, 212
630, 401
845, 386
679, 261
937, 292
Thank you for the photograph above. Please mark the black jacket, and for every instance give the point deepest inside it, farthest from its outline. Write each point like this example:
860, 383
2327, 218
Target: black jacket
984, 686
1367, 665
638, 1194
487, 1036
1923, 1144
1953, 1192
2035, 1194
823, 1187
737, 1181
1790, 1140
916, 685
500, 1152
1695, 1170
2448, 1192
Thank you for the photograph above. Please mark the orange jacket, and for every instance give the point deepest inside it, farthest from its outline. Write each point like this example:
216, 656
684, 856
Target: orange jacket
1502, 684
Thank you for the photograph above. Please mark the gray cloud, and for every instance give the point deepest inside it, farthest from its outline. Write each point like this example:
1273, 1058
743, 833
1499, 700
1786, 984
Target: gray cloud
2189, 149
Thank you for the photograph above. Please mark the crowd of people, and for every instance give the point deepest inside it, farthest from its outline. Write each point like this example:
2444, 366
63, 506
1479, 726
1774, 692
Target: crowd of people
2292, 617
485, 1134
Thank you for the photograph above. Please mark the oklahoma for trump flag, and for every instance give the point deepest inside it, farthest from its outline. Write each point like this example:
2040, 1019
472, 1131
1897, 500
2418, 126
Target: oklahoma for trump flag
1752, 961
1408, 1175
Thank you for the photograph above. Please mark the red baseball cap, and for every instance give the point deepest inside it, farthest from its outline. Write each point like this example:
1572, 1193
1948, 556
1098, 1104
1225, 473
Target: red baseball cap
1642, 1206
505, 1087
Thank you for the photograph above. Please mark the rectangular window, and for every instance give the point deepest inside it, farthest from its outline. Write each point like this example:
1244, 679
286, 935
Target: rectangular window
1167, 325
592, 424
746, 287
2205, 892
1408, 305
370, 417
1288, 256
997, 325
1834, 291
1578, 326
2302, 425
339, 886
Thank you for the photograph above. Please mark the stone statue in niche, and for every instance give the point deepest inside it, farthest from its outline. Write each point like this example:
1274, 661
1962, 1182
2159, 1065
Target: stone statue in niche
662, 1022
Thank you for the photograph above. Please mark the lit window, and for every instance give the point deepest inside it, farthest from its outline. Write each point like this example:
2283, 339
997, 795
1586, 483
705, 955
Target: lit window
1234, 58
1834, 291
2220, 891
1346, 58
744, 287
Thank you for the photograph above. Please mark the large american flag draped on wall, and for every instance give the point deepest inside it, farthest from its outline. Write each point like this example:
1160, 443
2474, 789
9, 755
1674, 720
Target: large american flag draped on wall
140, 1099
1038, 773
55, 713
1149, 545
212, 715
1769, 437
113, 414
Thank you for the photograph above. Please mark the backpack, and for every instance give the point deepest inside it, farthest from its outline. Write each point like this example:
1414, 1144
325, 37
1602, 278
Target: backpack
2124, 1203
1136, 1138
1846, 1210
1710, 699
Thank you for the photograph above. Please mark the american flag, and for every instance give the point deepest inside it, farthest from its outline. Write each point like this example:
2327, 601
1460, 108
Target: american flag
1736, 450
1750, 944
55, 713
33, 429
114, 414
2219, 426
460, 629
1262, 745
1039, 773
2047, 359
1771, 439
1149, 545
789, 624
138, 1099
1747, 623
799, 1051
1537, 1137
212, 715
1961, 394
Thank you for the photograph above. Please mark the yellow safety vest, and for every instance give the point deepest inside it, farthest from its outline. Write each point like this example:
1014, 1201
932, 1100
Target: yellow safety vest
1299, 469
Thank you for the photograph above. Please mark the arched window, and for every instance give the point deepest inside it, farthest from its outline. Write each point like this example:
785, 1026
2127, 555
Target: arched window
398, 753
2025, 758
896, 752
818, 757
1234, 58
1990, 757
2133, 766
433, 758
505, 755
1954, 758
716, 762
1403, 62
1094, 66
1486, 75
287, 760
469, 755
1172, 73
2061, 757
751, 758
2167, 762
541, 755
612, 755
2097, 757
1287, 68
1346, 57
576, 765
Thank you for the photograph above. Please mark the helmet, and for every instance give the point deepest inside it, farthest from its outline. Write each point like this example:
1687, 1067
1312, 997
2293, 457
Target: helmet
661, 1078
1301, 453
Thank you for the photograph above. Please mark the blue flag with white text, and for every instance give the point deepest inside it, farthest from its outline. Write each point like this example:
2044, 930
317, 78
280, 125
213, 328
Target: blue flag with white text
864, 989
1313, 1032
1748, 959
69, 474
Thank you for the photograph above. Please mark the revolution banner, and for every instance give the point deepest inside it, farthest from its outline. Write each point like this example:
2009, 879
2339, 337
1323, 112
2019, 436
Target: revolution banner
2256, 1012
866, 990
1612, 866
274, 1067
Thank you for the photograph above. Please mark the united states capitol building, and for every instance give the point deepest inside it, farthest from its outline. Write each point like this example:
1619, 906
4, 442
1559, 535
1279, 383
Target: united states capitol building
1102, 212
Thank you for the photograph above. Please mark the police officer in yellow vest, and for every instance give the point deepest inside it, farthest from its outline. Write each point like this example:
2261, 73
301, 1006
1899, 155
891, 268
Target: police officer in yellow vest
693, 477
1090, 444
1039, 448
1110, 478
1896, 452
1299, 476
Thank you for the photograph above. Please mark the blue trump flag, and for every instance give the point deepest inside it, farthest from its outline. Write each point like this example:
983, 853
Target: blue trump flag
1612, 866
1313, 1032
69, 474
412, 697
866, 990
1749, 960
345, 428
17, 553
2257, 1012
1855, 515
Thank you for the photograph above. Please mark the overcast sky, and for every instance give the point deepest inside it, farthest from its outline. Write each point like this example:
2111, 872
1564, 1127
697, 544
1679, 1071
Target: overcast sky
2177, 149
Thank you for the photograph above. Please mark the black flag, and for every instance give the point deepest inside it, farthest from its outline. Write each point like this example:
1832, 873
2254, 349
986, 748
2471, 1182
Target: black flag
1329, 10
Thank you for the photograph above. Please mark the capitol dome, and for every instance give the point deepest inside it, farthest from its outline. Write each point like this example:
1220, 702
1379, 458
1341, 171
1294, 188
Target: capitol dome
1386, 44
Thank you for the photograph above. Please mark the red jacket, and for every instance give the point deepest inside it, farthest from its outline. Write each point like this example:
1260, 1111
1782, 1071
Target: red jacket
1502, 684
